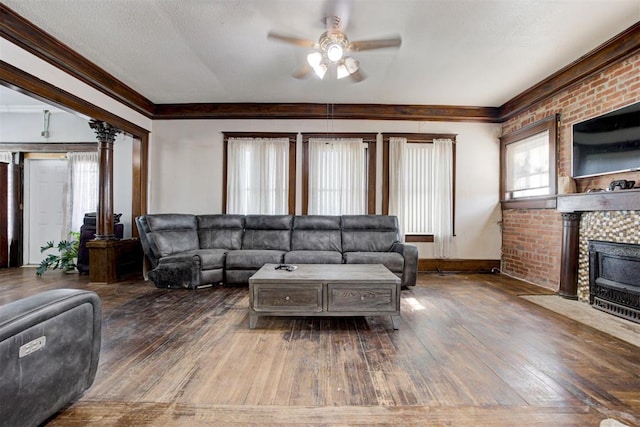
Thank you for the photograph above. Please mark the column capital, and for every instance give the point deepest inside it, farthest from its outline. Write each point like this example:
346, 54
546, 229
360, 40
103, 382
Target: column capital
104, 131
571, 216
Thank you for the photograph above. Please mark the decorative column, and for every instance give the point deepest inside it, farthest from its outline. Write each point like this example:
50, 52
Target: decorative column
106, 135
569, 256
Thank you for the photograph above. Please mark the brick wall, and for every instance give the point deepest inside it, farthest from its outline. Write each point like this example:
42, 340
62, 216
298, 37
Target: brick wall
531, 239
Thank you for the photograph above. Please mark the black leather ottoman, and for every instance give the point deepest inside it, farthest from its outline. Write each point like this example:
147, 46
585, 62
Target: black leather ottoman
49, 351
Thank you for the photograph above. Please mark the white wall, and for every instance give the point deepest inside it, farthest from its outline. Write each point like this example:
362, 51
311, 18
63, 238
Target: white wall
26, 127
67, 127
186, 159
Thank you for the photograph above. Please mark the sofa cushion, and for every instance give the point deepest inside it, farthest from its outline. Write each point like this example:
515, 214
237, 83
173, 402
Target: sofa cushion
267, 232
313, 257
209, 258
316, 233
392, 260
369, 233
220, 231
252, 259
172, 233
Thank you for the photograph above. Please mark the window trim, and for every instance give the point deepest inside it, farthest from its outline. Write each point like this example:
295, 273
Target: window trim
550, 124
293, 137
370, 138
416, 138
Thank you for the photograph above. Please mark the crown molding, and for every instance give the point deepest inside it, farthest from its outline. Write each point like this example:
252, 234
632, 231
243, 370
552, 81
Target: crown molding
326, 111
612, 51
31, 38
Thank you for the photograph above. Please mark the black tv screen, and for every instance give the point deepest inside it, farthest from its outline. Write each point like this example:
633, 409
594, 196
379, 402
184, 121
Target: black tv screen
608, 143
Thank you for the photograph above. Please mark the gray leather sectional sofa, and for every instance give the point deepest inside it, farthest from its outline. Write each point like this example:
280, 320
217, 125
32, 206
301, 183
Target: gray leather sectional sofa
194, 250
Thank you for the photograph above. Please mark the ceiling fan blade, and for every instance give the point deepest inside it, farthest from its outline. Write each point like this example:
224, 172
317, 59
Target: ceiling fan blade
375, 44
302, 72
293, 40
357, 76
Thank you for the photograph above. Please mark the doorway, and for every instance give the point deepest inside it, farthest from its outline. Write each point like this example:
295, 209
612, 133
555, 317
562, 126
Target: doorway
45, 179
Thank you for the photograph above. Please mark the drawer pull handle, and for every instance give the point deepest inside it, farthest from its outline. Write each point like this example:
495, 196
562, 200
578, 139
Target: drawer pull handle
287, 298
361, 297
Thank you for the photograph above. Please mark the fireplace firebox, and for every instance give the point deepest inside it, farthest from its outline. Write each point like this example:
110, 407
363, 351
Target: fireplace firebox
614, 278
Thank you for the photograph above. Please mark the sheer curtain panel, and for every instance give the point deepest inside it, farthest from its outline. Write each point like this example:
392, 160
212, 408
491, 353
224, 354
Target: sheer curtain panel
442, 196
81, 189
337, 176
398, 181
257, 175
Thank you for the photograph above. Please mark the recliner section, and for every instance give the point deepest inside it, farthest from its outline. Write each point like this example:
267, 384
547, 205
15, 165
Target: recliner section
193, 250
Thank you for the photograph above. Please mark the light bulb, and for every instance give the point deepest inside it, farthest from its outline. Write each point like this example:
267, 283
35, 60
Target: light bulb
314, 59
334, 52
320, 70
342, 71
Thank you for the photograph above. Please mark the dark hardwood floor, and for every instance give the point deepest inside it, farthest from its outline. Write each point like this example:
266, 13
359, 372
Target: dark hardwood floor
469, 352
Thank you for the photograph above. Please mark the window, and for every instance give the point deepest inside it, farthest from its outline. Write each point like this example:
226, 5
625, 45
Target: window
528, 168
81, 194
339, 174
259, 173
419, 172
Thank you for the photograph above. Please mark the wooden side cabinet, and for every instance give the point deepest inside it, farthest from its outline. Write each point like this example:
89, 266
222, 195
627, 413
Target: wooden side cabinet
112, 260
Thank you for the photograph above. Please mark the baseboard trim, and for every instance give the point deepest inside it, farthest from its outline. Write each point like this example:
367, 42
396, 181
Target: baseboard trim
458, 265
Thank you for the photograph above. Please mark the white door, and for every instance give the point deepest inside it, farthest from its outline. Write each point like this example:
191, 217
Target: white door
44, 198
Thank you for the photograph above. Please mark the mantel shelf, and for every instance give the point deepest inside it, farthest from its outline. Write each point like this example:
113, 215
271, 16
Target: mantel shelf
621, 200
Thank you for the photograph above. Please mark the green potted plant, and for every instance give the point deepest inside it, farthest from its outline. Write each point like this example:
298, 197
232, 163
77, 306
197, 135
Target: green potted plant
66, 257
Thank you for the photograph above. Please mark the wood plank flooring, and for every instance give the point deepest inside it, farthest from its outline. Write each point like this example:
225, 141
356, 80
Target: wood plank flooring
469, 351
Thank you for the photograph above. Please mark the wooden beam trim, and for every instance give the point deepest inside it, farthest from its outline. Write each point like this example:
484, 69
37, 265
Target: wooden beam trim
612, 51
33, 39
49, 147
319, 111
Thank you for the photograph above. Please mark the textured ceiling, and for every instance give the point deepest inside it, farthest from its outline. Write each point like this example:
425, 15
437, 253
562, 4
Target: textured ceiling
454, 52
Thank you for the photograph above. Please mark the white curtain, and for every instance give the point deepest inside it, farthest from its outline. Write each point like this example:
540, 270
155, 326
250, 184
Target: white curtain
421, 189
81, 193
442, 196
398, 181
7, 157
258, 176
337, 176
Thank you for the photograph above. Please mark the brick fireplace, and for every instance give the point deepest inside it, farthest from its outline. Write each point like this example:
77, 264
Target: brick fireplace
594, 217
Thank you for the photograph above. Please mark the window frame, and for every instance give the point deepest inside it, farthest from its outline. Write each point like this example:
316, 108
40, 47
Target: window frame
293, 137
549, 124
371, 139
417, 138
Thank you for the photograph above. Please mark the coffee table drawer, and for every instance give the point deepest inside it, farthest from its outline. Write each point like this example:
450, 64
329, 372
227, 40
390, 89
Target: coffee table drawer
346, 297
288, 298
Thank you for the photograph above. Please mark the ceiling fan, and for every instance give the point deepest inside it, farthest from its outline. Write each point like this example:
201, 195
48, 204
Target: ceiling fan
330, 53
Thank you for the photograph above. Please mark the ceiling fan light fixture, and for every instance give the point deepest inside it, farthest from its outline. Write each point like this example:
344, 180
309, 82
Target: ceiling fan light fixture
334, 52
352, 65
314, 59
320, 70
342, 71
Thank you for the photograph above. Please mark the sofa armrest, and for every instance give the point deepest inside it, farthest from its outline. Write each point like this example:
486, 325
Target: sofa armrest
410, 255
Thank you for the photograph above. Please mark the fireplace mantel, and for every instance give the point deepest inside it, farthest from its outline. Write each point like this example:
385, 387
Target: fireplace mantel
621, 200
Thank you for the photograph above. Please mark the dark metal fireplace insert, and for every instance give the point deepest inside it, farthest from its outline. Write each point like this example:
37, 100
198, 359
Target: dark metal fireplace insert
614, 278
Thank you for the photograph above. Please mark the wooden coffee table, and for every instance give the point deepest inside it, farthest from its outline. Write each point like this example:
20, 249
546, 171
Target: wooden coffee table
324, 290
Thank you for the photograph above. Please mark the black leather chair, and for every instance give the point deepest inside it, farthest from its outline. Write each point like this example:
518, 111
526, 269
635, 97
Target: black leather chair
88, 232
49, 352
